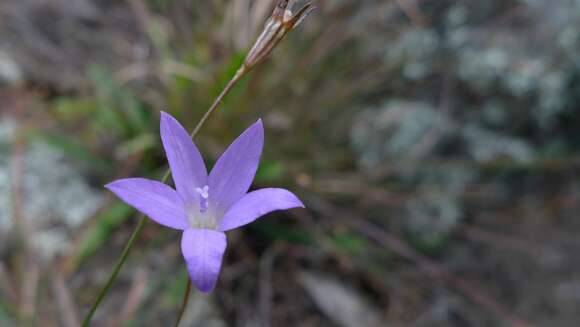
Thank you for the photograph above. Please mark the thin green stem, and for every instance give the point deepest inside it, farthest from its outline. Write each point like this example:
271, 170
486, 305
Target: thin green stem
116, 270
239, 74
142, 219
184, 302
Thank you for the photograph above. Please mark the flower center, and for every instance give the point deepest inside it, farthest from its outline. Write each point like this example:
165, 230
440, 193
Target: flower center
199, 214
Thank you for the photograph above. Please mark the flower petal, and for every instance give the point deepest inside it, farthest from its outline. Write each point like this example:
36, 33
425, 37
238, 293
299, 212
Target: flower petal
203, 250
187, 166
156, 200
256, 204
234, 171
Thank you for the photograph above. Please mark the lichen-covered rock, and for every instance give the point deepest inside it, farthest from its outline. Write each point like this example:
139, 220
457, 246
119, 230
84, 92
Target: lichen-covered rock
55, 198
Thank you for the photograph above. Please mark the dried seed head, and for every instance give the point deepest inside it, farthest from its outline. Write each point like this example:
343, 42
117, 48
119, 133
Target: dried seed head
283, 12
282, 21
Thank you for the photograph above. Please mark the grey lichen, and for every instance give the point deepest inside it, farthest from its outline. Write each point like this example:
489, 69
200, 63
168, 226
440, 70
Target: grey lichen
55, 197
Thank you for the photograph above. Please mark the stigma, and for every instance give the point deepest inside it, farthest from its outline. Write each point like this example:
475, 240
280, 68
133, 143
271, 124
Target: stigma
204, 194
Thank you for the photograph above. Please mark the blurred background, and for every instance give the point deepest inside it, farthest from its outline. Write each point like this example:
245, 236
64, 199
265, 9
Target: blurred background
434, 143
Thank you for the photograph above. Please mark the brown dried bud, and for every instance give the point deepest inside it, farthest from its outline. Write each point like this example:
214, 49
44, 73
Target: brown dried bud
282, 21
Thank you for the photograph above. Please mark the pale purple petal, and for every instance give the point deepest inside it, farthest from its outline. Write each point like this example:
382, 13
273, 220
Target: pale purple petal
203, 250
234, 171
256, 204
156, 200
187, 166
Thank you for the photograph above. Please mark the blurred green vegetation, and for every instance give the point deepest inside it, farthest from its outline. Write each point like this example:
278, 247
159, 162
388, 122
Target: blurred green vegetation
417, 120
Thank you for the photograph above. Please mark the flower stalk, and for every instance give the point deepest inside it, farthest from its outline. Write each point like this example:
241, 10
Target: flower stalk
184, 303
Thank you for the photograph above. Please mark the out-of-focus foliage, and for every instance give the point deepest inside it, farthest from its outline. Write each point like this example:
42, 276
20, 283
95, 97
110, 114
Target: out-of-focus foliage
43, 172
427, 121
493, 83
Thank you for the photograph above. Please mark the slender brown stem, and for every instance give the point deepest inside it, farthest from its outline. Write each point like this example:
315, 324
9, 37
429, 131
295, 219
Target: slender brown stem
142, 219
239, 74
184, 302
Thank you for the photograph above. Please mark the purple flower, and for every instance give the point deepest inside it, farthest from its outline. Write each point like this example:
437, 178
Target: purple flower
204, 207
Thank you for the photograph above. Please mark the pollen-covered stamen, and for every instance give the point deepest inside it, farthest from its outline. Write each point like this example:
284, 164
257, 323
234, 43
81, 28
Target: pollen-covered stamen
204, 194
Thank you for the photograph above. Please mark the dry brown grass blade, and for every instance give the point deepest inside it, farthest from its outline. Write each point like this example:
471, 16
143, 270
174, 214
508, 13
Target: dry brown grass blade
64, 300
28, 266
134, 298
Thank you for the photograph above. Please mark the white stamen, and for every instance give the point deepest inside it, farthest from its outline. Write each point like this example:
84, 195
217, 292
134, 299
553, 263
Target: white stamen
204, 192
